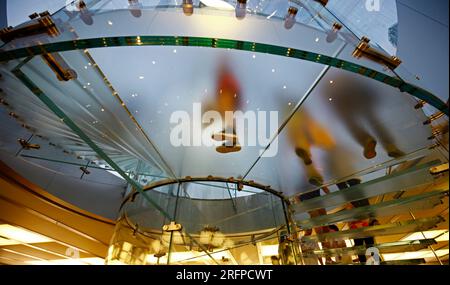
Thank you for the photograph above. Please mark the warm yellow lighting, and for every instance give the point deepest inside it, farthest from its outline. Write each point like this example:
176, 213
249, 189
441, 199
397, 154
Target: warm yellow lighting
443, 237
414, 255
218, 4
269, 250
4, 241
21, 235
428, 235
192, 256
80, 261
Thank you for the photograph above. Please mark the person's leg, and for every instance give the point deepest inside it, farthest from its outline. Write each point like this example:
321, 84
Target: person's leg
303, 149
314, 177
359, 203
358, 242
384, 135
361, 136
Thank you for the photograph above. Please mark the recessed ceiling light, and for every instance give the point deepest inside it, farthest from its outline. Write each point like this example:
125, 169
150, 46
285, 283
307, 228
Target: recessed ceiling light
141, 77
22, 235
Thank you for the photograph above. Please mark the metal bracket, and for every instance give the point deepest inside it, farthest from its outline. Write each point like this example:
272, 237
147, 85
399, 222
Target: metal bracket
322, 2
59, 66
27, 145
41, 24
172, 227
364, 49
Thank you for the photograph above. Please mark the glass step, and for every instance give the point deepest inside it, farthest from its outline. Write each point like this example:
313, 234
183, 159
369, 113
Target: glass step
412, 177
389, 208
403, 227
405, 262
391, 247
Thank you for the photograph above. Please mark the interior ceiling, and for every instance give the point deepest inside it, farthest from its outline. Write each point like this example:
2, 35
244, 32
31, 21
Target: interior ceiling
152, 82
352, 12
161, 80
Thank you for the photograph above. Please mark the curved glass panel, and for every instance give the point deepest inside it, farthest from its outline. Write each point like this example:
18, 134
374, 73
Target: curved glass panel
232, 231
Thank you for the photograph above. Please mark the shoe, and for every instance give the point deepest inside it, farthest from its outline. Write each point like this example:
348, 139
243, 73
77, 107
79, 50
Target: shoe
222, 136
228, 149
316, 180
304, 155
394, 152
369, 149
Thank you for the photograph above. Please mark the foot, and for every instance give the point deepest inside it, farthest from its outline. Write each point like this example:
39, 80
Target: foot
394, 152
304, 155
222, 136
316, 180
228, 149
369, 149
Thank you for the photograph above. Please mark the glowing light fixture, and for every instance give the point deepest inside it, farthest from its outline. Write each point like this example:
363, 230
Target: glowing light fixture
289, 20
414, 255
269, 250
241, 9
21, 235
218, 4
440, 235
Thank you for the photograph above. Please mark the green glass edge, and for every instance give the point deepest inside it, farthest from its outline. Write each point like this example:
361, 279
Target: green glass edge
119, 41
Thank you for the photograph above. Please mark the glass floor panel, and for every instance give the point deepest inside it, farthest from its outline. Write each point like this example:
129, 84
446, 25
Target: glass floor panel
380, 230
401, 180
393, 247
398, 206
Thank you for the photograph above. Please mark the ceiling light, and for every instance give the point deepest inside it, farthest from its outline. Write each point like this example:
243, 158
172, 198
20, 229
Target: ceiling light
218, 4
21, 235
414, 255
5, 241
269, 250
188, 7
79, 261
428, 235
289, 20
241, 9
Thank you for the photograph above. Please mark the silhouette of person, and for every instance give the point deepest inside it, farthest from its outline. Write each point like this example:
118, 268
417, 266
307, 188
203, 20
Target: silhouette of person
227, 99
355, 104
304, 133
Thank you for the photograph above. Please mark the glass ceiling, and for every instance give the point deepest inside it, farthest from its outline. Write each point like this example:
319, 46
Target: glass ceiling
118, 110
